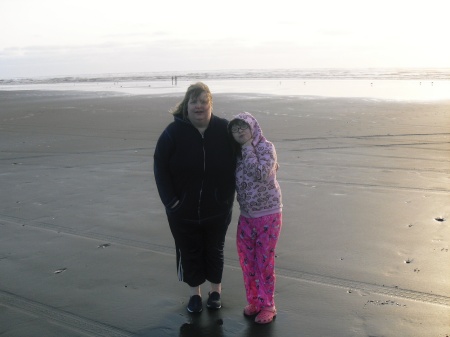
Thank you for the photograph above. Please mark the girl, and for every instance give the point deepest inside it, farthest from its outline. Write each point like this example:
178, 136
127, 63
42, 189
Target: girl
259, 225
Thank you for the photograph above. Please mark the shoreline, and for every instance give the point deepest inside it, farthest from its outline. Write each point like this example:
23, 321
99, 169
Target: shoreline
391, 90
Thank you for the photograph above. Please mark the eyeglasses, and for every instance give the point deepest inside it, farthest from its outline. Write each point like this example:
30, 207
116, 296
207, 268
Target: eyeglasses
236, 128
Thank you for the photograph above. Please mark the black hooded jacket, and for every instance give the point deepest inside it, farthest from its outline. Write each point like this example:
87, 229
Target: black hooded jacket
198, 170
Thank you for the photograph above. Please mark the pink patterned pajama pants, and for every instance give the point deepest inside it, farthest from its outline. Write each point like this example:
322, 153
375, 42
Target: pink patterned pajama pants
256, 241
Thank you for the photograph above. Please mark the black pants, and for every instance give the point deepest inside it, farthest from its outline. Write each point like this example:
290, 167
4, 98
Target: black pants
199, 248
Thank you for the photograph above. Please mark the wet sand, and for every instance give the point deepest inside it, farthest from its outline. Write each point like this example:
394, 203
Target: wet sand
85, 249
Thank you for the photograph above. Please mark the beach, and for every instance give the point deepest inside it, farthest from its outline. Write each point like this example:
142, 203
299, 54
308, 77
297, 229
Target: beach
85, 248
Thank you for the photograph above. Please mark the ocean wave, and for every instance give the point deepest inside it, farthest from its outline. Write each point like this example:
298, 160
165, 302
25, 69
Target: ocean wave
298, 74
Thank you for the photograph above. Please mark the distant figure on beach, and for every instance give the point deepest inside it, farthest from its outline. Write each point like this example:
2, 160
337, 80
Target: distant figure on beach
259, 224
194, 167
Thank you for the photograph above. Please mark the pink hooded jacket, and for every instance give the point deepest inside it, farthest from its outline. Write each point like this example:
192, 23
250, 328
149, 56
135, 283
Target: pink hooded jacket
258, 191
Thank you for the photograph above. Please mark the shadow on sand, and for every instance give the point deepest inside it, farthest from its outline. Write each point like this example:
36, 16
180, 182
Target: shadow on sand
213, 324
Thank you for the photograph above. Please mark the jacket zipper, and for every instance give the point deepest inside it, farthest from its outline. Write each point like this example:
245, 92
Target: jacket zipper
201, 186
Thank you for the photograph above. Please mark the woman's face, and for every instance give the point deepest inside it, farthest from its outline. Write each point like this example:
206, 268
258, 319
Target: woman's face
241, 132
199, 110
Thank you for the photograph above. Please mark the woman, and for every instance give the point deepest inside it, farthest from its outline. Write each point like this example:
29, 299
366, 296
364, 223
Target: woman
194, 171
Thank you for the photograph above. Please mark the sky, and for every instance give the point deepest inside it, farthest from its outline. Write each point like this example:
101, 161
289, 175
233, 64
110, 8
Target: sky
75, 37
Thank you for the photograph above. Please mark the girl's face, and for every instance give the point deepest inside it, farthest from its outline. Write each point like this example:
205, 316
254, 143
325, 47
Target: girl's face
199, 110
241, 132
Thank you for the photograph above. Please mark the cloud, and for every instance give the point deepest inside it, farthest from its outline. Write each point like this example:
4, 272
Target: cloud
95, 36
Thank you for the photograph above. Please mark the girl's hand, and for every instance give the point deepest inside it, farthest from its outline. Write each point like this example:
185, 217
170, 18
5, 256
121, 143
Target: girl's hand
248, 143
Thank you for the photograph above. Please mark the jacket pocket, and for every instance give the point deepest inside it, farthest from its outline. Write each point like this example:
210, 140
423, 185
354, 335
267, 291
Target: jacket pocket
173, 210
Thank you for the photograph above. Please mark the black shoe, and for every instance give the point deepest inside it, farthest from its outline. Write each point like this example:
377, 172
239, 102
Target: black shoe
214, 301
195, 304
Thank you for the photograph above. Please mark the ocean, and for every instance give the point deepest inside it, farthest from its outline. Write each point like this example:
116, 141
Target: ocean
375, 83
